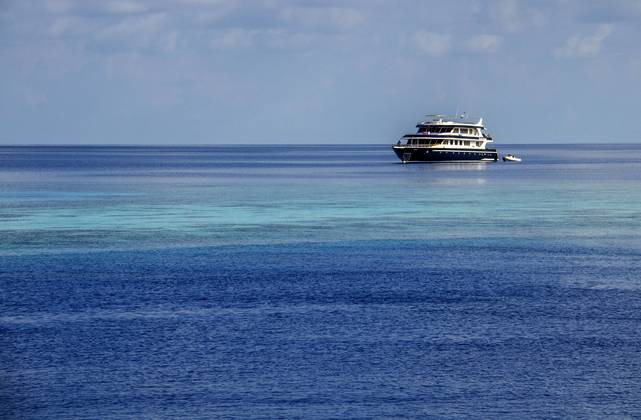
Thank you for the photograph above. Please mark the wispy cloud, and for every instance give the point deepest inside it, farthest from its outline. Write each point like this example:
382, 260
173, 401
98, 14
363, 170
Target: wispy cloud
322, 16
137, 32
610, 11
483, 43
515, 15
431, 43
125, 6
585, 45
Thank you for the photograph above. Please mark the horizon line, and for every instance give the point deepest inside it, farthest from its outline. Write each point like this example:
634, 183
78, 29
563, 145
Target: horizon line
278, 144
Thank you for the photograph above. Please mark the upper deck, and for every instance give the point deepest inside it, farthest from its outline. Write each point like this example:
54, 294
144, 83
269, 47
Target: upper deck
445, 120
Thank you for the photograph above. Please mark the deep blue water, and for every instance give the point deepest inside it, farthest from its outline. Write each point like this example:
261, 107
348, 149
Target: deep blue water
319, 282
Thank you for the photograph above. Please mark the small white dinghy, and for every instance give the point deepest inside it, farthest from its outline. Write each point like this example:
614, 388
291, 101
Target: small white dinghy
511, 158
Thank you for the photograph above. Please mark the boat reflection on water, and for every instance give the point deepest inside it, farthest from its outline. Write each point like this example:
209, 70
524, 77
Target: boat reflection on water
467, 174
451, 182
459, 166
446, 167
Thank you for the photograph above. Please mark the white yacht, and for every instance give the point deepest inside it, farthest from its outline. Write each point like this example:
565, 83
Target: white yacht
441, 138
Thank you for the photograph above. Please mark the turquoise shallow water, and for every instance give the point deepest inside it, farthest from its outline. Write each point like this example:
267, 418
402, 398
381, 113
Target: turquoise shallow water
318, 281
127, 198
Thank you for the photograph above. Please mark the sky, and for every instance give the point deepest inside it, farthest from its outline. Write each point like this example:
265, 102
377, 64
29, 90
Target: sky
294, 71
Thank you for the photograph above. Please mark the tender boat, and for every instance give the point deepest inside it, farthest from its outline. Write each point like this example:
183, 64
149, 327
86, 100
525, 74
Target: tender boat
511, 158
446, 139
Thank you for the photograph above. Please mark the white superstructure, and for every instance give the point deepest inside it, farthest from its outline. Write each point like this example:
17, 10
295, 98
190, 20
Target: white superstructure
449, 133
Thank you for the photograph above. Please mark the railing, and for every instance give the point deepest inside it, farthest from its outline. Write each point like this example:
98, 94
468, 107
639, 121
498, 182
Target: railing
461, 118
437, 146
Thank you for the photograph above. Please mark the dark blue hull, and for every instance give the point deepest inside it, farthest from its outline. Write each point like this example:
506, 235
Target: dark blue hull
423, 154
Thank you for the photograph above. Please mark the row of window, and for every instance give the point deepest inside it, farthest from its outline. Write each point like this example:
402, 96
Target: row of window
424, 142
453, 130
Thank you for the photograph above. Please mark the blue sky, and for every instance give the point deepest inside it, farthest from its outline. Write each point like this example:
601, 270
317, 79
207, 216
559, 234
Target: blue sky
293, 71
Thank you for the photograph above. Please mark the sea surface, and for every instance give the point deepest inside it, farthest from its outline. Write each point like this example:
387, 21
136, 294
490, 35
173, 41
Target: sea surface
319, 282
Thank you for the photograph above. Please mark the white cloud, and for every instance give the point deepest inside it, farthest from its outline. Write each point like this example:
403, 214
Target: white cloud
59, 6
66, 25
432, 43
236, 38
137, 32
239, 38
508, 13
125, 6
35, 98
340, 17
171, 41
585, 46
484, 43
516, 15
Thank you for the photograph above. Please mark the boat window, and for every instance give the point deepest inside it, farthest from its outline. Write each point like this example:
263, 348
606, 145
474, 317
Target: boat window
478, 143
455, 131
467, 143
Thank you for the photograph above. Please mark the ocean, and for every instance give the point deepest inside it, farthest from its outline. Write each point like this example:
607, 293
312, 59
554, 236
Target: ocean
264, 282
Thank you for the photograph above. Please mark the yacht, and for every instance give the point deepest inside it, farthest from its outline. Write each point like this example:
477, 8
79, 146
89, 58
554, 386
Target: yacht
445, 139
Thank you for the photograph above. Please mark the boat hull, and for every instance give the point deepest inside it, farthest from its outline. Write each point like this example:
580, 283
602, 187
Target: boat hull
423, 154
